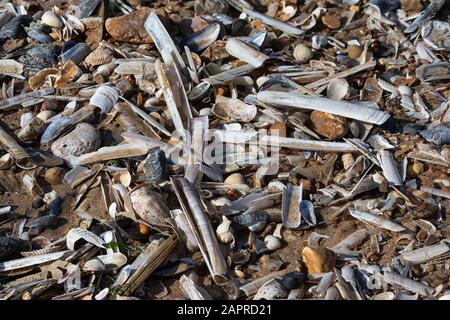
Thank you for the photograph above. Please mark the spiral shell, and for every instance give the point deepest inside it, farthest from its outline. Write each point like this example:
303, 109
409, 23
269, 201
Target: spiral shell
149, 206
99, 56
83, 139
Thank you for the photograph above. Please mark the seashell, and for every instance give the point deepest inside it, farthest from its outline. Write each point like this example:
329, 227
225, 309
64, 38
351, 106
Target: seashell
224, 231
42, 77
272, 243
10, 66
293, 280
102, 294
40, 36
155, 166
319, 42
99, 56
149, 206
433, 71
250, 219
235, 178
302, 53
74, 22
54, 176
6, 161
291, 215
354, 51
105, 97
408, 284
10, 247
83, 139
307, 212
232, 110
318, 260
69, 72
286, 14
340, 108
78, 233
52, 19
113, 260
199, 92
42, 223
429, 12
376, 220
404, 90
271, 290
328, 125
244, 52
13, 29
40, 242
202, 39
216, 7
77, 53
338, 89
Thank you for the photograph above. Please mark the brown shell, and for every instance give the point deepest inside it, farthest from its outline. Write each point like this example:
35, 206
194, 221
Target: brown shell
149, 206
99, 56
328, 125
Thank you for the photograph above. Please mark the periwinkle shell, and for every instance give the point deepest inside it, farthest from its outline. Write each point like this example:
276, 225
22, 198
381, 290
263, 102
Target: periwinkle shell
83, 139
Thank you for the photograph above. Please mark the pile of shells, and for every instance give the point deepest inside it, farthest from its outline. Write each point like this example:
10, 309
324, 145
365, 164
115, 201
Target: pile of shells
224, 149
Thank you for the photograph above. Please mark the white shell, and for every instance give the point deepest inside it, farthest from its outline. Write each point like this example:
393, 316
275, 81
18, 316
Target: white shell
436, 34
94, 265
272, 243
52, 19
84, 139
244, 52
234, 110
338, 89
46, 115
224, 231
105, 98
113, 260
77, 233
404, 90
271, 290
235, 178
149, 206
302, 53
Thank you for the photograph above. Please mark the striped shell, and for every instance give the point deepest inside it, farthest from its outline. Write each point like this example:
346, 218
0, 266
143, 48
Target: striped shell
149, 206
99, 56
83, 139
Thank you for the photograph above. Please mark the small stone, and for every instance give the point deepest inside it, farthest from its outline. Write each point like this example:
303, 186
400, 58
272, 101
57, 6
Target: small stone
318, 260
354, 51
278, 129
328, 125
272, 243
331, 22
302, 53
37, 203
130, 27
54, 176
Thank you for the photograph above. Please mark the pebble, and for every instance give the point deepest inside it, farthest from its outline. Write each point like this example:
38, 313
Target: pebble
332, 22
328, 125
318, 260
54, 176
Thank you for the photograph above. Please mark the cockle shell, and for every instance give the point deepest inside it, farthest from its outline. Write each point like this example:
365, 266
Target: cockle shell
99, 56
52, 19
272, 243
83, 139
302, 53
149, 206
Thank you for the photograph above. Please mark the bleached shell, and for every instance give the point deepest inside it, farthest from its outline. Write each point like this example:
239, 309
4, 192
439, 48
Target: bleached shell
113, 260
302, 53
6, 161
84, 139
272, 242
338, 89
52, 19
149, 206
234, 110
94, 265
78, 233
99, 56
235, 178
46, 115
270, 291
10, 66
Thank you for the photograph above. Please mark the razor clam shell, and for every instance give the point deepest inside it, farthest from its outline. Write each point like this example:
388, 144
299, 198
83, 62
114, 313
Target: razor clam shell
244, 52
251, 288
163, 42
192, 290
408, 284
234, 110
433, 71
10, 66
325, 283
332, 294
77, 175
202, 39
425, 254
32, 261
135, 67
352, 240
76, 234
290, 207
341, 108
390, 169
127, 150
229, 74
376, 220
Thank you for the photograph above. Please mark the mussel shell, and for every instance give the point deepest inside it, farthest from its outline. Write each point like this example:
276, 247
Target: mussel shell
11, 246
437, 35
202, 39
40, 36
77, 53
37, 58
155, 166
14, 28
200, 91
56, 128
42, 223
85, 8
438, 135
293, 280
83, 139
